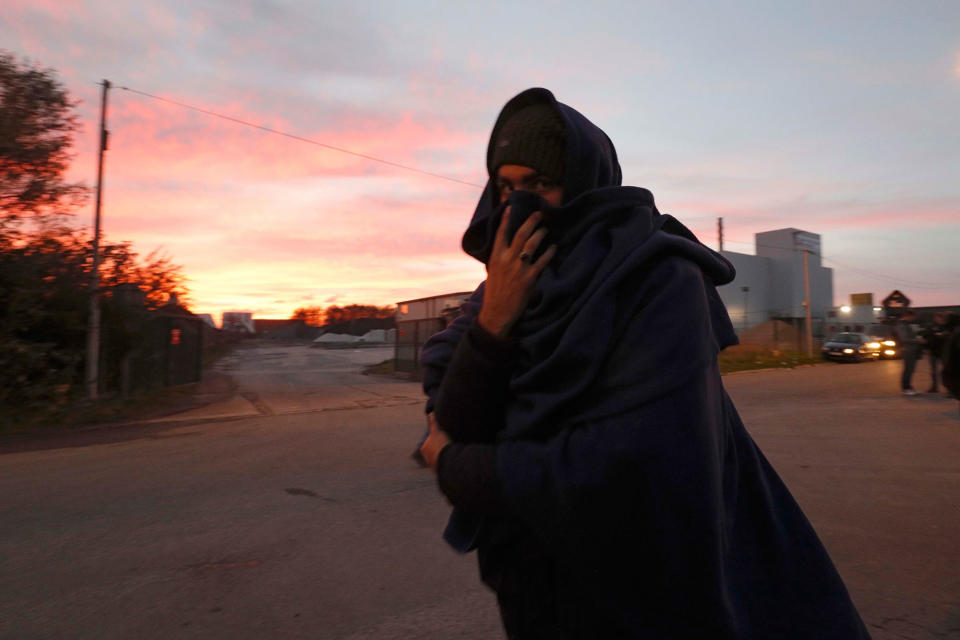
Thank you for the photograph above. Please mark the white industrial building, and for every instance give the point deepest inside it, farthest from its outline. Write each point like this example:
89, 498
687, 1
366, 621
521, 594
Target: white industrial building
237, 321
771, 284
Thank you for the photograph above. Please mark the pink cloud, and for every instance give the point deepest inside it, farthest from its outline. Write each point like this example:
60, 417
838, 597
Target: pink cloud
822, 216
166, 139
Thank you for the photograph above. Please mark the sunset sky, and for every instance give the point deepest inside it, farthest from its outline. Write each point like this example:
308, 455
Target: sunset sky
838, 118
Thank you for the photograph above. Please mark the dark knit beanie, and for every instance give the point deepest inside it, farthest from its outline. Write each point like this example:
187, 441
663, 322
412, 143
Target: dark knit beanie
532, 137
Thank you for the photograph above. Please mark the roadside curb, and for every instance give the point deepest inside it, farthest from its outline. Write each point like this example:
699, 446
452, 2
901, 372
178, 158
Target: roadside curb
174, 421
799, 366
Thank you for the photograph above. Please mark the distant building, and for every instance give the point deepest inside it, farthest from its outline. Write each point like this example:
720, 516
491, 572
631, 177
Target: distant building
207, 320
770, 285
237, 322
285, 329
860, 315
419, 319
360, 326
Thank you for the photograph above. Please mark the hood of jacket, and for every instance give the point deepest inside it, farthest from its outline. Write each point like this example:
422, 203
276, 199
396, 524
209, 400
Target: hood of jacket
611, 244
590, 163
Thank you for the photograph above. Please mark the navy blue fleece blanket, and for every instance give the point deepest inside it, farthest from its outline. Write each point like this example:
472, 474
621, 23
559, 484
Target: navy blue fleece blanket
621, 451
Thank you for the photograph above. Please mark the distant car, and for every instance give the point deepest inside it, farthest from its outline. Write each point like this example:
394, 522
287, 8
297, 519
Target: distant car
851, 347
887, 337
888, 348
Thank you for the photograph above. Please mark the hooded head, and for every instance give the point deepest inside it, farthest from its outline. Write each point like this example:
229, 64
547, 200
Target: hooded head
536, 131
589, 158
532, 137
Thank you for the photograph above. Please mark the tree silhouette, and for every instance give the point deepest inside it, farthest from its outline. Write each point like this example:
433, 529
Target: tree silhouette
45, 265
37, 125
312, 316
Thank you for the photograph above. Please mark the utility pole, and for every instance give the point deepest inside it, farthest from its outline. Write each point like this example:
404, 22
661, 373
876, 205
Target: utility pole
720, 232
93, 327
746, 312
806, 302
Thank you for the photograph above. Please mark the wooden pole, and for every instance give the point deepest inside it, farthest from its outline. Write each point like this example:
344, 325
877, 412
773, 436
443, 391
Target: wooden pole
93, 327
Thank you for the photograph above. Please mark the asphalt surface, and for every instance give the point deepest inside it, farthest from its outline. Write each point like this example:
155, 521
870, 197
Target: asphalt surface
294, 511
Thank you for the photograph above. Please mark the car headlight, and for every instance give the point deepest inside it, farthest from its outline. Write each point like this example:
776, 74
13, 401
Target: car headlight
872, 345
889, 343
848, 350
889, 352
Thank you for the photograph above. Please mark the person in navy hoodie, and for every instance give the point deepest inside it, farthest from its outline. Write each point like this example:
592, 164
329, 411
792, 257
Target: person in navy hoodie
579, 425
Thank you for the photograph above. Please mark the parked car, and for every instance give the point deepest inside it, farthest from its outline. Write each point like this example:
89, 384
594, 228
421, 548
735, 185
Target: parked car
887, 337
851, 347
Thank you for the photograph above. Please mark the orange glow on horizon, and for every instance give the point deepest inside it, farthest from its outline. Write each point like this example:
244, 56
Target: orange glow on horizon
266, 224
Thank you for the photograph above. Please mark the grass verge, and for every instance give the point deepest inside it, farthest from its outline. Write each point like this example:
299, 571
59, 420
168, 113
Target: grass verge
74, 410
740, 358
385, 368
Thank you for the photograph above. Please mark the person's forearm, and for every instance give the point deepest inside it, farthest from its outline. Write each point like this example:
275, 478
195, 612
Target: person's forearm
471, 402
467, 475
440, 347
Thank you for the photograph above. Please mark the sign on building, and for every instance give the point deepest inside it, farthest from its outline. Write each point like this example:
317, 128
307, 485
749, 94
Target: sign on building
808, 241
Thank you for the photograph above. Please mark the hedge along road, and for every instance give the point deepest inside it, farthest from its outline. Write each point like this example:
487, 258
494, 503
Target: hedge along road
317, 524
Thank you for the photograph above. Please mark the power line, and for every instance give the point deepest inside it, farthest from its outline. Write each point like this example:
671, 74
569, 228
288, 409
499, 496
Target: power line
398, 165
300, 138
893, 279
901, 282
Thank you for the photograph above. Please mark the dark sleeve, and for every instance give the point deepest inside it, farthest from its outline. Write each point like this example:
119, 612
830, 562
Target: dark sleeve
471, 407
472, 398
467, 475
438, 349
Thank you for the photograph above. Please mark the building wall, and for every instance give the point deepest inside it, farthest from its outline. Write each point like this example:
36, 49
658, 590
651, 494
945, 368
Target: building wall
859, 318
776, 280
748, 308
424, 308
417, 320
237, 321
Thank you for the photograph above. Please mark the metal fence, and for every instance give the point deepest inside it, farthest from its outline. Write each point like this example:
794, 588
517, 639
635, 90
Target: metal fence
411, 336
142, 350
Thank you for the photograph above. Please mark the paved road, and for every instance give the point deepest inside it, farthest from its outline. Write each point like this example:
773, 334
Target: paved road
878, 474
309, 520
279, 367
277, 378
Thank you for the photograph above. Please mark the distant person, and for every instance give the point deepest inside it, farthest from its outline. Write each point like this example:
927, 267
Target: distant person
951, 355
910, 348
934, 338
580, 428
